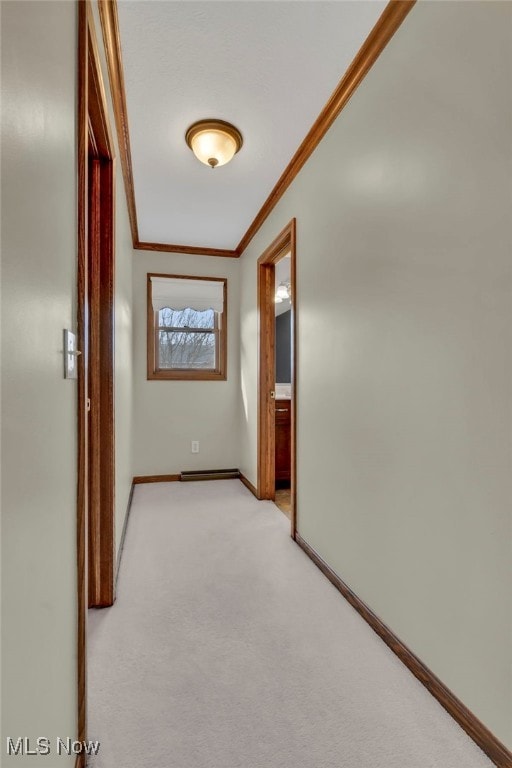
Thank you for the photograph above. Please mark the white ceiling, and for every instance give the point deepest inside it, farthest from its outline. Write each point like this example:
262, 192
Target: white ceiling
267, 66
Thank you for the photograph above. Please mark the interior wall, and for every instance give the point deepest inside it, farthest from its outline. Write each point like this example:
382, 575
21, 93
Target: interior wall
123, 320
170, 414
123, 359
38, 180
283, 348
404, 346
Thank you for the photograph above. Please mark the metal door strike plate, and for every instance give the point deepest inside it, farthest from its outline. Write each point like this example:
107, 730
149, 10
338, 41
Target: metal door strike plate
70, 355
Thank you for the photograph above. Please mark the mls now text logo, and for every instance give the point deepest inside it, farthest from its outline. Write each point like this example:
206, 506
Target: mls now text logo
43, 746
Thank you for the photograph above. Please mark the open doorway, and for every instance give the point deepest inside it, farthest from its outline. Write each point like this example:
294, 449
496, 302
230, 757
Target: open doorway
95, 335
277, 440
96, 327
283, 302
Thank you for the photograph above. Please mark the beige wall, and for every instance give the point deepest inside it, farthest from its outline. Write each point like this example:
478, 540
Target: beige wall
123, 359
169, 414
405, 344
38, 405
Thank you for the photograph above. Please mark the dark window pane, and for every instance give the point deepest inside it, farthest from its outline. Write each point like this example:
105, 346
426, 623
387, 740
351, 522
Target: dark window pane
178, 349
186, 318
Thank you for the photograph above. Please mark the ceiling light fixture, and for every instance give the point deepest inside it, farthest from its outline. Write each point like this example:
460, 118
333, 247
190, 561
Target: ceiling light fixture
214, 142
283, 292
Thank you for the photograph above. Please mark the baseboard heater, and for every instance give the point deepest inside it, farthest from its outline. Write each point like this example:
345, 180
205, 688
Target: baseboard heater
210, 474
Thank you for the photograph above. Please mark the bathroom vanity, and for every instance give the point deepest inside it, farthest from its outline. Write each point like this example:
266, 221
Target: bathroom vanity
283, 436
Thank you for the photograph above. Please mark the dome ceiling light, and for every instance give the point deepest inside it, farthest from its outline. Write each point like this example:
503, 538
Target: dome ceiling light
214, 142
283, 293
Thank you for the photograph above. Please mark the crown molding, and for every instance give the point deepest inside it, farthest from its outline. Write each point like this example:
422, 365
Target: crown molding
386, 26
112, 44
189, 249
388, 23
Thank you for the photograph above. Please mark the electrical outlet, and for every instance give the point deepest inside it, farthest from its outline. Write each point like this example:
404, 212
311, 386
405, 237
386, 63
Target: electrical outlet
195, 446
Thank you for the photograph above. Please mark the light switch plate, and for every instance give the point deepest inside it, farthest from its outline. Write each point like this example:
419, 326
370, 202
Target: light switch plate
70, 355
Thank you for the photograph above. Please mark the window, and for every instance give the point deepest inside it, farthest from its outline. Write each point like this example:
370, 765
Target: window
187, 327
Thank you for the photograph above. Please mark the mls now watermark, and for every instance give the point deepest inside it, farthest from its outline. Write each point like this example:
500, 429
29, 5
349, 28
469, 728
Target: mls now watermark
44, 746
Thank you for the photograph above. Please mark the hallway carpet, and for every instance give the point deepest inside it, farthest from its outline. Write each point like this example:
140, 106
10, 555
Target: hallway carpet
227, 648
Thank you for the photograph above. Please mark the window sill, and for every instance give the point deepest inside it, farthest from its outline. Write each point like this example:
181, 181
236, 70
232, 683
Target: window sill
181, 375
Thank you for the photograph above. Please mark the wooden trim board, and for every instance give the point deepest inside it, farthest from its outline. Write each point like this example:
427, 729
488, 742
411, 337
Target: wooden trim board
249, 485
100, 352
488, 743
99, 348
139, 479
82, 389
266, 383
112, 45
284, 242
194, 250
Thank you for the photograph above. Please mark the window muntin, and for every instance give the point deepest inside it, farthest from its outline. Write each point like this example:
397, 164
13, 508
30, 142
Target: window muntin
186, 343
187, 339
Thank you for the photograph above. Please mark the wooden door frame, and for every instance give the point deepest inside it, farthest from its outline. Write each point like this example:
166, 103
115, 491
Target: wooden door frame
284, 242
93, 130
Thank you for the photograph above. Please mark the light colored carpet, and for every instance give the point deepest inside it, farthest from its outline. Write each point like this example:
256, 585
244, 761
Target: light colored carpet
227, 648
